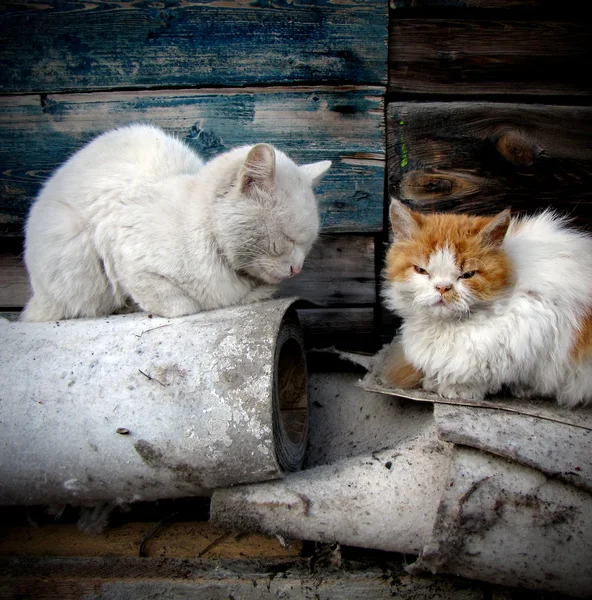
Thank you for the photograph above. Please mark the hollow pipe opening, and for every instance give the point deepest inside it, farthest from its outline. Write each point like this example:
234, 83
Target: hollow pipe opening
290, 401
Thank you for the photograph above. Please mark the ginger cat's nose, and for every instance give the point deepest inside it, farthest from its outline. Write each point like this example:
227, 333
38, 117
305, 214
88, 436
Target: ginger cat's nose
442, 288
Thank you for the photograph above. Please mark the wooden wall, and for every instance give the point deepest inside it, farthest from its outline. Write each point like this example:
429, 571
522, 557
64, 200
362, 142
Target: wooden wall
488, 106
309, 77
463, 105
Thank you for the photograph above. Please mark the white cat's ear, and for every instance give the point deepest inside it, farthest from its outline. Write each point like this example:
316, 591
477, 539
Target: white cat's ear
494, 232
259, 168
404, 222
315, 171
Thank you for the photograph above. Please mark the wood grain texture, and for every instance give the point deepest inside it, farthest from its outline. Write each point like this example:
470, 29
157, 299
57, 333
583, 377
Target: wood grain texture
342, 124
491, 4
338, 271
170, 540
465, 56
291, 578
347, 328
352, 321
484, 157
62, 45
14, 281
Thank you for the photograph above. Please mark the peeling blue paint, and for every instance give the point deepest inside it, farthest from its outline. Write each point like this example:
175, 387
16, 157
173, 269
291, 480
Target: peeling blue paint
70, 46
342, 126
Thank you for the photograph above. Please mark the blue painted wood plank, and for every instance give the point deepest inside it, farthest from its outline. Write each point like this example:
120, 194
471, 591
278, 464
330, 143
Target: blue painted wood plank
345, 125
59, 45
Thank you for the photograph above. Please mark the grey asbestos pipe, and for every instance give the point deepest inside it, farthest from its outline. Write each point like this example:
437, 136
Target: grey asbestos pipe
129, 407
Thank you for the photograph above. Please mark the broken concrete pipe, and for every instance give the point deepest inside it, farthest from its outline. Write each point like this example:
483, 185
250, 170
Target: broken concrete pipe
129, 407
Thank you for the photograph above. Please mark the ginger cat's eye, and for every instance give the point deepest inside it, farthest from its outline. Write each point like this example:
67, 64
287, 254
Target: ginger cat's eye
420, 270
468, 274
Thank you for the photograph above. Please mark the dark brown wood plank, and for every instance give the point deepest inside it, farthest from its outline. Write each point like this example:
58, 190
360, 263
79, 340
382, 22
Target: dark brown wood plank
490, 4
65, 45
344, 321
339, 270
14, 281
342, 124
344, 328
467, 56
483, 157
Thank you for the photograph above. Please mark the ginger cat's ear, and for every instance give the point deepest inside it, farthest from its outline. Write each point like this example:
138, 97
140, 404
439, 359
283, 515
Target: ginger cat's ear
405, 223
494, 232
258, 170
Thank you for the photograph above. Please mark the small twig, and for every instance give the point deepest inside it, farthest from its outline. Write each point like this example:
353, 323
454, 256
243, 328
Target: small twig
151, 378
213, 544
153, 328
151, 533
463, 499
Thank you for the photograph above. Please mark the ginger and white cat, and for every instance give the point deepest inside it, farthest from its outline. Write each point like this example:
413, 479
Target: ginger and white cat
136, 217
491, 302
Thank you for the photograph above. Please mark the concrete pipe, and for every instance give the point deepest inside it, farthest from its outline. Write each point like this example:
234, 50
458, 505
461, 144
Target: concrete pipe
130, 407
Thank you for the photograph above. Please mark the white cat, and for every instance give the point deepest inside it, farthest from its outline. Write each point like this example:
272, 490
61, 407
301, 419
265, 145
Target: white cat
136, 217
491, 301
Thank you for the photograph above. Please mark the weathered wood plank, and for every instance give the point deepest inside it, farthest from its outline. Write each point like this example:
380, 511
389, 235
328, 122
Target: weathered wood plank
346, 321
14, 281
57, 45
171, 540
339, 270
501, 4
441, 56
343, 124
345, 328
483, 157
176, 579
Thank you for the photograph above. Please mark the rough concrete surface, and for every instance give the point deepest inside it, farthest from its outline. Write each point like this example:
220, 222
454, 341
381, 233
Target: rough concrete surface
127, 407
380, 476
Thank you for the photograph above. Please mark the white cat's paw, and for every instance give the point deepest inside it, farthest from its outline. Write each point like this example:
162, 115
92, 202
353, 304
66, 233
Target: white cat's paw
461, 392
261, 292
429, 385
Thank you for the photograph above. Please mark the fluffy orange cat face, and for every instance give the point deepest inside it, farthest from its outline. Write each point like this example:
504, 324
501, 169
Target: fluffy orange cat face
444, 264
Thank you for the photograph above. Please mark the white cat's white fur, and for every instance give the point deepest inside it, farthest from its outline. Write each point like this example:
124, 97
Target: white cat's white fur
523, 339
137, 215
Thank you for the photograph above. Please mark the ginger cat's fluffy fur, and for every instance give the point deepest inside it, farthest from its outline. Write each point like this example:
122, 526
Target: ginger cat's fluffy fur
489, 302
136, 218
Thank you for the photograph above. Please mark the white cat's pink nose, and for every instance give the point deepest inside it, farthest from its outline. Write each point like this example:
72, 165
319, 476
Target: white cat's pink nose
443, 288
295, 270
